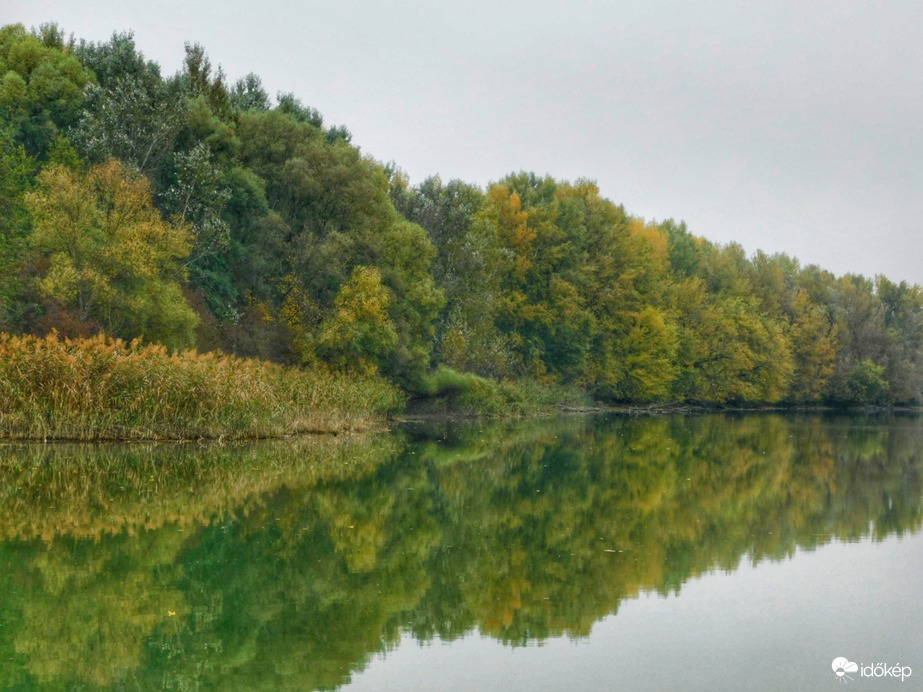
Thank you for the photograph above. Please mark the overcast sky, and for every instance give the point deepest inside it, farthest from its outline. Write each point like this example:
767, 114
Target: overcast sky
787, 126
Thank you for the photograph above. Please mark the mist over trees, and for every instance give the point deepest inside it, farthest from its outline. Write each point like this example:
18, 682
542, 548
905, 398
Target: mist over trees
195, 212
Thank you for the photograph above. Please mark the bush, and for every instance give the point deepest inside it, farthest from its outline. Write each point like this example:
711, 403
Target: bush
867, 384
448, 391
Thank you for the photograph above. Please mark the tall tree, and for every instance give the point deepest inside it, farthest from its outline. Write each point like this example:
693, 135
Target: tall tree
903, 323
335, 216
112, 258
41, 85
16, 169
131, 114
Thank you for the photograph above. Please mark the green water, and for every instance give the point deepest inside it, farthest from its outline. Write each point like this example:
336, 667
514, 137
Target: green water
713, 552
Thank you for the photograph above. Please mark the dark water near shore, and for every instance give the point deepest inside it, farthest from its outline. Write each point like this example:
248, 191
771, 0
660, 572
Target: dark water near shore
710, 552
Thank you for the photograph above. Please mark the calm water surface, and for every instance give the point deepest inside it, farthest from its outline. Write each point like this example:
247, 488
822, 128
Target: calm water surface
586, 553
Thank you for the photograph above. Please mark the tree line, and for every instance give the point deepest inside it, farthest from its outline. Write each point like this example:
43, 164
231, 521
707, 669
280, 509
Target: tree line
195, 212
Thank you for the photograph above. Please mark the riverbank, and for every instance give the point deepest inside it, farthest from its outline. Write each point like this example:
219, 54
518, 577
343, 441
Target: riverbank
106, 389
441, 413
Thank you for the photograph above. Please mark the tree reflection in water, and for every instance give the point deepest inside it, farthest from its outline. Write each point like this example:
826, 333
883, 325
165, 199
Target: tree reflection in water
288, 565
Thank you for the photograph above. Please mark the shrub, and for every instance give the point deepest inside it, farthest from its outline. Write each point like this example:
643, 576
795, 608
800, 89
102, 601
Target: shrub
448, 391
867, 384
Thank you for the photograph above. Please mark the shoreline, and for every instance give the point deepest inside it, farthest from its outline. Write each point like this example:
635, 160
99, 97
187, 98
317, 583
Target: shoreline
383, 424
373, 424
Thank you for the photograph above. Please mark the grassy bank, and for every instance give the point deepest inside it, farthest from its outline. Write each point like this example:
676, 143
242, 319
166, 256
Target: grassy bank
451, 393
103, 388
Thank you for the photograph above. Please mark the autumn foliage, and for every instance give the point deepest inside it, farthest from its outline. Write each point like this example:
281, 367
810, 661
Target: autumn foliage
104, 388
113, 259
194, 213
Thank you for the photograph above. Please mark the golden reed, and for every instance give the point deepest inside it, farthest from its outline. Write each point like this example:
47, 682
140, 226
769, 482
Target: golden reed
101, 388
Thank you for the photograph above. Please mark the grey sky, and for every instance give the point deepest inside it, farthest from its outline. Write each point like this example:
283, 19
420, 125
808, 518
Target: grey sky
785, 126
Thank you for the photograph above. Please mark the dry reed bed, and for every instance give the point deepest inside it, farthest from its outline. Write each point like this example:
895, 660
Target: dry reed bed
104, 389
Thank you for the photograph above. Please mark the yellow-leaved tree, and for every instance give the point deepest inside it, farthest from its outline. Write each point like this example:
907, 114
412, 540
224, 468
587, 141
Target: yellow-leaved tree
113, 260
359, 334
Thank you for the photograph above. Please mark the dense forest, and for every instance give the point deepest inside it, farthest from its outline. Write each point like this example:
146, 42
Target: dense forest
194, 212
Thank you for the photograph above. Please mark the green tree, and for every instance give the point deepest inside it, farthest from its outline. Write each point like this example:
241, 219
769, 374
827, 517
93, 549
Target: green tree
197, 79
16, 170
41, 85
336, 216
903, 324
130, 114
248, 94
463, 268
112, 259
867, 384
859, 318
405, 266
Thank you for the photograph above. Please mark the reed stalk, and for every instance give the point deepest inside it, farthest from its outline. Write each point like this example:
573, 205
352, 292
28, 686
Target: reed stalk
103, 388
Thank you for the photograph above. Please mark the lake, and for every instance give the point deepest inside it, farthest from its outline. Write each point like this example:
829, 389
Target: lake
575, 553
